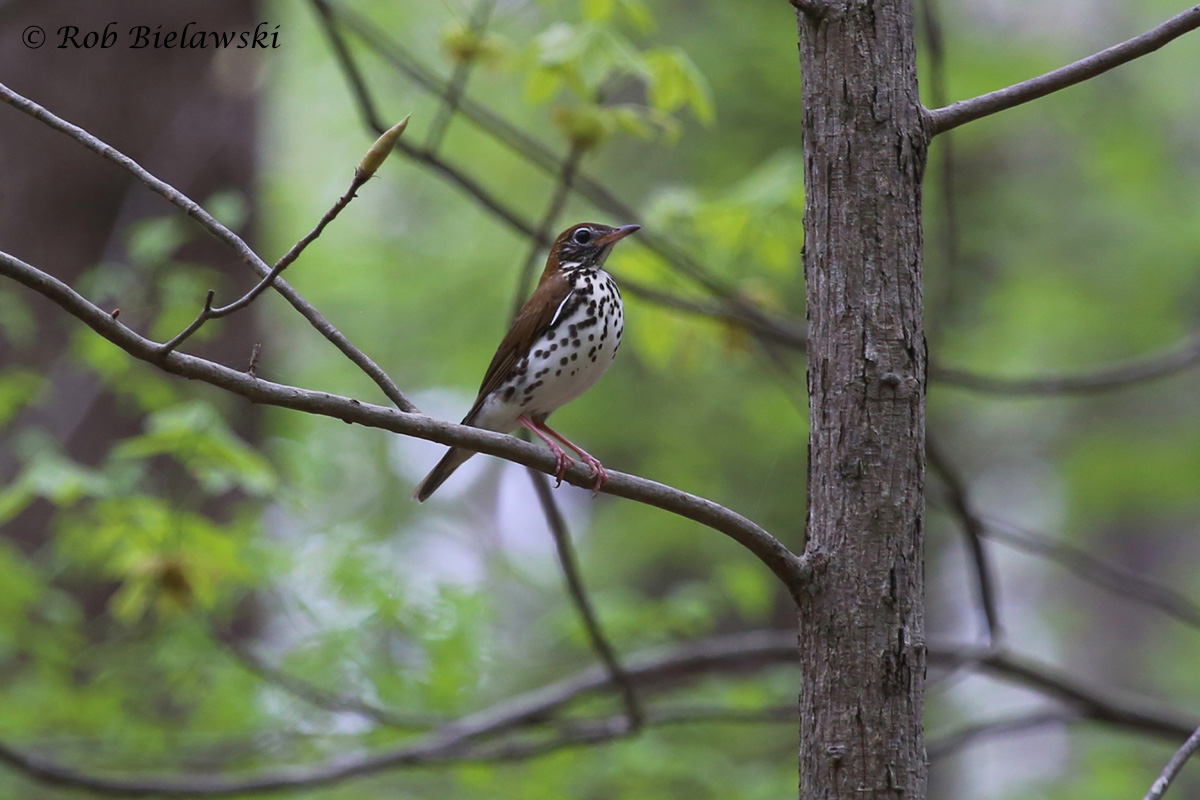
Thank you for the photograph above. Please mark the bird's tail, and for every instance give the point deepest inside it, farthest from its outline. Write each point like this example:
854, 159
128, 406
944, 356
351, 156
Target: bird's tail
444, 469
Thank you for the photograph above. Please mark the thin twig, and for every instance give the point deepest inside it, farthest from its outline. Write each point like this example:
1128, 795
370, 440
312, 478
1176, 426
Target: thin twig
553, 514
1171, 770
949, 117
769, 330
210, 224
737, 309
973, 530
789, 567
453, 743
1119, 376
951, 743
1093, 702
290, 256
583, 605
205, 315
319, 697
458, 81
372, 120
1080, 562
562, 190
450, 743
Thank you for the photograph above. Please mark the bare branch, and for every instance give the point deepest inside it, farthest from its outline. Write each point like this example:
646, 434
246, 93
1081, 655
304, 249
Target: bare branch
206, 220
579, 597
449, 743
973, 530
1171, 770
1101, 704
290, 256
731, 654
774, 330
553, 514
558, 201
949, 117
1084, 565
584, 733
205, 315
458, 82
951, 743
317, 696
790, 568
736, 310
1119, 376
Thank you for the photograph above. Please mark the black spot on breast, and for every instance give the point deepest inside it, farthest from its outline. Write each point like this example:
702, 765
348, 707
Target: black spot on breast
508, 393
575, 343
553, 347
563, 361
574, 356
591, 337
557, 373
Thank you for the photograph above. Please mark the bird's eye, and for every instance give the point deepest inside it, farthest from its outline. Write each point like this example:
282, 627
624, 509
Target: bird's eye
582, 236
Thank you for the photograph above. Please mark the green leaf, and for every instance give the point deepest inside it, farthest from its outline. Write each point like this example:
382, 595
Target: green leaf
599, 10
196, 435
16, 320
153, 241
677, 82
18, 388
229, 208
51, 477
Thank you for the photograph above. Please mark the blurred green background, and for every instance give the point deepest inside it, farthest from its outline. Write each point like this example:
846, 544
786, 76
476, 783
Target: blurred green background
1072, 242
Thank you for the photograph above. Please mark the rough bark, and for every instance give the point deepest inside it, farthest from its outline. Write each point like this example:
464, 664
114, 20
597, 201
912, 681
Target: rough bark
861, 619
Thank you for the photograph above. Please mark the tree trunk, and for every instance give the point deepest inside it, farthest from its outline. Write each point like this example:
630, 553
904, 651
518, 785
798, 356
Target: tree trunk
862, 635
188, 116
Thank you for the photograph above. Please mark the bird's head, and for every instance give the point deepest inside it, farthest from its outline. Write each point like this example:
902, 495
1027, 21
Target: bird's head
586, 245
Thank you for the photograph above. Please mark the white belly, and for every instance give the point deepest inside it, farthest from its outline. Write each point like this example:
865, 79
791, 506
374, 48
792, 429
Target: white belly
564, 362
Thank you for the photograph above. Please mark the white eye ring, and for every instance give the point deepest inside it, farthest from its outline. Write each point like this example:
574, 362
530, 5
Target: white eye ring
582, 236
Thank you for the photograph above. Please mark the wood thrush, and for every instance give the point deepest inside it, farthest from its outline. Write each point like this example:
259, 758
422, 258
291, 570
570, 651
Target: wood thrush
563, 339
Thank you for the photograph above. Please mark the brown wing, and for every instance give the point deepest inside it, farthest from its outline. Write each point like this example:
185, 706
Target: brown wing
531, 322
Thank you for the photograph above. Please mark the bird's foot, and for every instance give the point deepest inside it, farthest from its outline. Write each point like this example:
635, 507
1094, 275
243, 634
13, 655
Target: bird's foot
598, 471
563, 463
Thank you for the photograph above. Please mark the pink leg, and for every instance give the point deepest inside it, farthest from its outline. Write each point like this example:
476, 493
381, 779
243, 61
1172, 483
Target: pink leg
598, 470
562, 458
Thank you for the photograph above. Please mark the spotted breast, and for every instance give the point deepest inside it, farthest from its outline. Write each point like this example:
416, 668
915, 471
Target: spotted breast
563, 339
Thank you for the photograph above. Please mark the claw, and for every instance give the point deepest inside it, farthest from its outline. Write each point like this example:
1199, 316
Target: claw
563, 462
598, 472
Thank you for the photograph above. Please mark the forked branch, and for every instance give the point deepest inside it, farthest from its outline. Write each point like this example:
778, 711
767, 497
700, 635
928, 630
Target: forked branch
210, 224
789, 567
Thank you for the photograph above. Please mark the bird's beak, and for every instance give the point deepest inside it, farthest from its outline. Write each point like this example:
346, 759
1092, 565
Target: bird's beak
617, 235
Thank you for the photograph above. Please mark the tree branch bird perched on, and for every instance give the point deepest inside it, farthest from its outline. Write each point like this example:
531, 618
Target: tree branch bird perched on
563, 339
